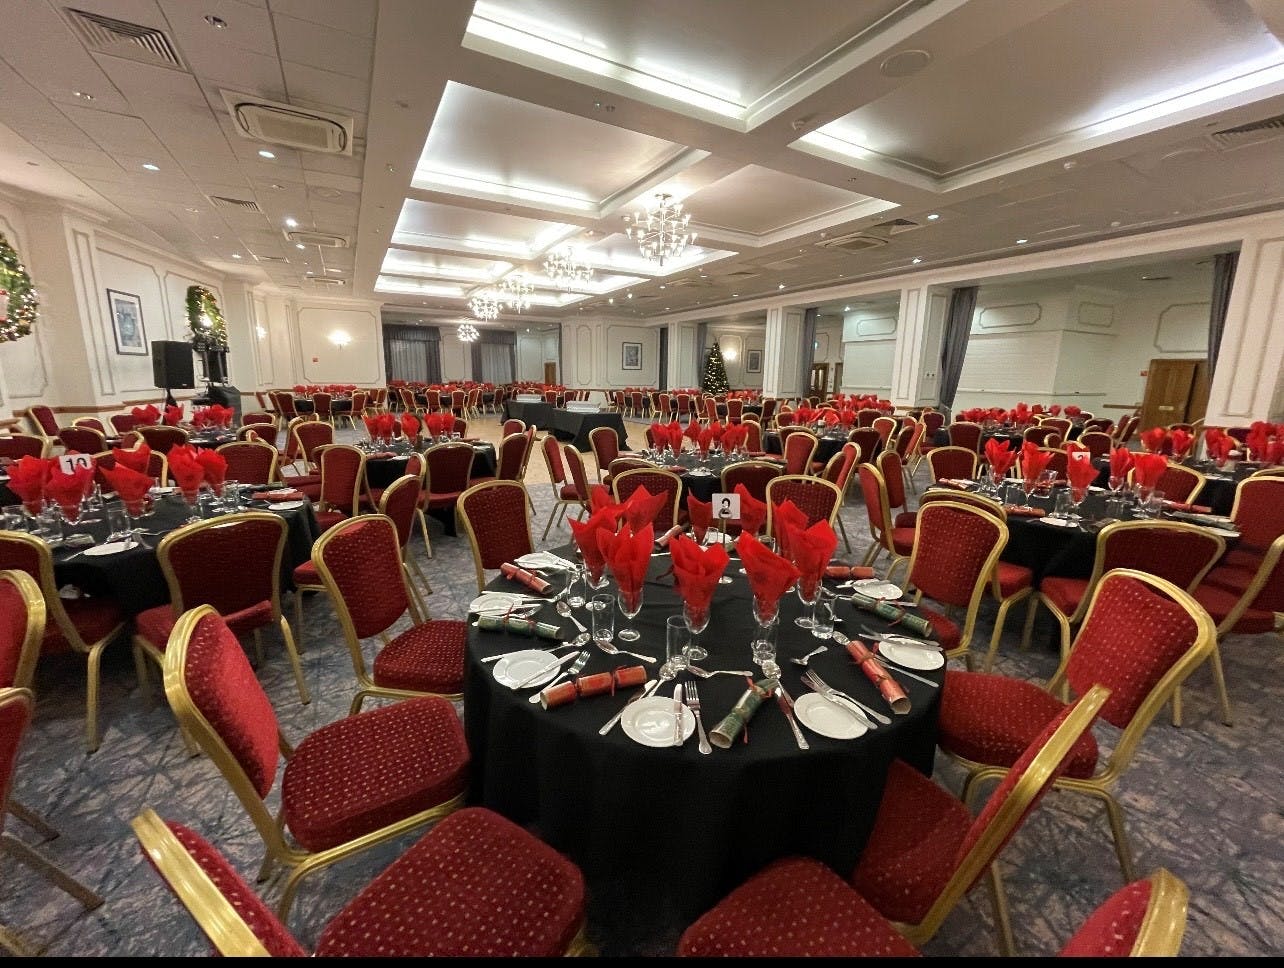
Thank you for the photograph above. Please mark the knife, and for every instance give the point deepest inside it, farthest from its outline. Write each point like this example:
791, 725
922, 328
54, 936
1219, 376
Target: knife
556, 663
642, 693
677, 714
786, 703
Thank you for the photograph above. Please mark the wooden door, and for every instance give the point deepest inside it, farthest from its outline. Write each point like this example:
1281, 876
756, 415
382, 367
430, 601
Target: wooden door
1174, 390
550, 373
819, 379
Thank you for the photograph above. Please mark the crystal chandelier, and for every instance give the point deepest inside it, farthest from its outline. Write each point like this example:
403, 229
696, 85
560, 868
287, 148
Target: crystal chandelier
567, 270
661, 232
516, 292
468, 333
486, 305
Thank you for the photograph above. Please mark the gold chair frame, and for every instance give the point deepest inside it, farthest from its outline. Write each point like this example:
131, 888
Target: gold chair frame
467, 523
672, 514
881, 540
809, 481
273, 468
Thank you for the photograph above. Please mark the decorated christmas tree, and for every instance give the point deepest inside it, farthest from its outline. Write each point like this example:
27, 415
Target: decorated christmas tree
715, 372
18, 298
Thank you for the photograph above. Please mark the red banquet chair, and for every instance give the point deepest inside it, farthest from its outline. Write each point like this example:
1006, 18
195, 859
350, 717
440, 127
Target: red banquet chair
250, 461
351, 785
755, 475
82, 440
964, 433
343, 475
564, 493
816, 497
93, 423
577, 488
656, 482
446, 476
606, 447
798, 447
496, 518
513, 426
513, 453
897, 541
424, 904
17, 446
868, 440
952, 463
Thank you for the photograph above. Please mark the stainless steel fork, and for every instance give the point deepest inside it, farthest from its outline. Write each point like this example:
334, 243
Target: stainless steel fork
814, 681
693, 703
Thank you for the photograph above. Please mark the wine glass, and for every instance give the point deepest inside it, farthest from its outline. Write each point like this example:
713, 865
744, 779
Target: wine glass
575, 588
763, 647
630, 606
1028, 486
807, 589
724, 578
768, 542
697, 620
193, 496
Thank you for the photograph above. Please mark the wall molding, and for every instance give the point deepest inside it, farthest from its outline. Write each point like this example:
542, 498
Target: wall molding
1168, 318
1033, 312
1098, 315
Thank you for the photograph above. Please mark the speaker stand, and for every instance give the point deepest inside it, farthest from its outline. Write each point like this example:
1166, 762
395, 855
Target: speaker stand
169, 398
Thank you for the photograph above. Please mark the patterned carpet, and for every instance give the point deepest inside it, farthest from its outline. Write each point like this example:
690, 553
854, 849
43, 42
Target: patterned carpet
1204, 800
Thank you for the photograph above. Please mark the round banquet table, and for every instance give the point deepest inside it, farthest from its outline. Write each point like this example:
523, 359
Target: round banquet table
826, 446
702, 478
1218, 493
382, 471
133, 578
680, 827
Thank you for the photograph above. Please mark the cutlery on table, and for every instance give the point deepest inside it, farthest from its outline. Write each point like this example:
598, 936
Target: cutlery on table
564, 610
710, 673
610, 648
900, 640
883, 660
544, 670
642, 693
692, 695
807, 658
786, 703
677, 714
575, 643
570, 672
818, 684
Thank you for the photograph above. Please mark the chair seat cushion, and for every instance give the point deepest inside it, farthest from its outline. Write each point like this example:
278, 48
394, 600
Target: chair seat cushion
945, 630
476, 885
364, 772
793, 907
155, 624
569, 492
1220, 601
903, 540
1013, 579
991, 719
905, 519
328, 519
425, 658
306, 574
1249, 559
94, 619
911, 851
1063, 594
311, 490
1233, 578
442, 499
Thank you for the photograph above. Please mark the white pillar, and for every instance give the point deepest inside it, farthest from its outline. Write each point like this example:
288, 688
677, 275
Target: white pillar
783, 353
685, 362
916, 361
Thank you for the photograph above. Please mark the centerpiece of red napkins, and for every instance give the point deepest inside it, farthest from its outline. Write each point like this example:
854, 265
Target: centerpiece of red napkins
69, 490
1000, 457
409, 425
27, 478
696, 571
1148, 469
131, 486
628, 555
810, 549
786, 517
603, 518
1121, 461
1080, 473
770, 575
187, 471
147, 416
1033, 463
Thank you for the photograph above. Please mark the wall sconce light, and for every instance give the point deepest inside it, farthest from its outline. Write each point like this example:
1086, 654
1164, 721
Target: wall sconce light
340, 339
729, 355
260, 332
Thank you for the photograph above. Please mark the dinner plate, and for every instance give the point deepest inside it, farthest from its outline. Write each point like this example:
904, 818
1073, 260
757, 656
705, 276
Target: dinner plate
544, 559
650, 721
827, 718
877, 588
1057, 522
911, 656
110, 548
163, 490
520, 666
286, 505
495, 601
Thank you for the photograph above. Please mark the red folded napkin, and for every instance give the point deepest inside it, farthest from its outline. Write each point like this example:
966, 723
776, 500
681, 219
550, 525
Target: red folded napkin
201, 416
847, 417
1153, 439
214, 465
1033, 461
131, 486
770, 575
587, 537
642, 506
675, 435
1121, 461
811, 549
1219, 444
173, 416
145, 416
186, 470
693, 432
409, 424
753, 513
701, 515
1181, 441
68, 490
372, 424
1081, 473
696, 572
708, 437
876, 673
385, 422
999, 456
628, 555
784, 517
1148, 469
27, 478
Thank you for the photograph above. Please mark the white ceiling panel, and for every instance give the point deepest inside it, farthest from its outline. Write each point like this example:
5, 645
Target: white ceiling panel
316, 45
352, 16
471, 230
759, 200
310, 83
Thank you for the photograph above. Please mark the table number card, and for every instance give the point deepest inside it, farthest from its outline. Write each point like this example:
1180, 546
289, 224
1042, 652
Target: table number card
726, 507
70, 463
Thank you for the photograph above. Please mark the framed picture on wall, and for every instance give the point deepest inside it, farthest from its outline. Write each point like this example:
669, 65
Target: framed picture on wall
127, 323
753, 361
632, 356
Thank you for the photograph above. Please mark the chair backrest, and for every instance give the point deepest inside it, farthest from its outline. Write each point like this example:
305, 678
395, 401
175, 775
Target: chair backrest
43, 420
267, 433
666, 405
986, 504
735, 407
231, 563
321, 404
30, 554
16, 446
907, 439
838, 471
753, 435
814, 496
257, 417
799, 449
359, 561
162, 438
230, 913
1144, 919
1058, 425
656, 482
449, 466
866, 416
407, 396
285, 403
1043, 435
123, 423
1102, 424
755, 475
769, 405
343, 472
1180, 483
1176, 551
964, 433
711, 408
868, 440
552, 451
1258, 511
1098, 443
512, 426
512, 457
22, 627
1128, 428
16, 709
461, 427
606, 446
877, 509
952, 463
892, 468
250, 461
400, 500
93, 423
956, 548
885, 426
684, 404
933, 420
575, 472
359, 398
496, 518
308, 436
432, 399
1017, 794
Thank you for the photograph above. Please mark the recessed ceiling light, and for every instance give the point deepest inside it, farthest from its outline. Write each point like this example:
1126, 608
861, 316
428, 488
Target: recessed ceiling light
236, 255
734, 294
264, 153
847, 309
291, 223
214, 21
83, 95
299, 245
334, 270
630, 295
933, 217
662, 286
280, 187
781, 286
150, 167
611, 300
1022, 241
905, 62
916, 260
1067, 165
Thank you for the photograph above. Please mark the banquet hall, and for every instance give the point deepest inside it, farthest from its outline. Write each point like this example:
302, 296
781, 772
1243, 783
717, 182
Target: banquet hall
363, 259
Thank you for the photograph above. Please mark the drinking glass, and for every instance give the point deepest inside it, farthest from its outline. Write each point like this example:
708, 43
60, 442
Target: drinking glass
1153, 504
822, 612
575, 588
629, 608
1116, 482
1028, 486
764, 648
1047, 479
14, 519
1064, 507
807, 592
727, 545
677, 642
603, 609
697, 620
232, 495
117, 523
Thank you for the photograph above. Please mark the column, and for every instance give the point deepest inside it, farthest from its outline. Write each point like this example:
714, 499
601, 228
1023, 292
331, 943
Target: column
916, 361
685, 362
782, 356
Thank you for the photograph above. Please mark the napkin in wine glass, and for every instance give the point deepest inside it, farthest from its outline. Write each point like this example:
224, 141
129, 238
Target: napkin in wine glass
786, 518
200, 417
173, 416
675, 435
186, 470
628, 555
1033, 461
770, 575
131, 486
811, 549
1080, 473
999, 456
642, 507
145, 416
692, 432
409, 424
586, 535
753, 513
1121, 461
1218, 444
1154, 438
847, 417
372, 424
386, 421
27, 478
696, 571
1148, 469
215, 467
701, 515
1181, 440
68, 490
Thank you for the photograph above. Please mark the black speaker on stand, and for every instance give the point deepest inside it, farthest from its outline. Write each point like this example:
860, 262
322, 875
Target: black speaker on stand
172, 367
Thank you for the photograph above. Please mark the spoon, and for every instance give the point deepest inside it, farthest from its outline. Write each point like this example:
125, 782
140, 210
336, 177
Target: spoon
708, 674
564, 610
570, 672
807, 658
575, 643
610, 648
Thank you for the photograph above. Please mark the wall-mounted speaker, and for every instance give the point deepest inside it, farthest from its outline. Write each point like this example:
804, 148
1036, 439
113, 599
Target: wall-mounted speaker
172, 365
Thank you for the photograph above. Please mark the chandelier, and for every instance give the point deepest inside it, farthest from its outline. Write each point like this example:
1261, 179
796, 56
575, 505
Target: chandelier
661, 232
486, 305
516, 292
567, 270
468, 333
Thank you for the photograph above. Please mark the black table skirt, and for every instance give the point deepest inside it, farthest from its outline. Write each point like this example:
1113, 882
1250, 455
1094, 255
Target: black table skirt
701, 486
532, 414
382, 471
827, 446
134, 579
619, 809
1218, 493
574, 428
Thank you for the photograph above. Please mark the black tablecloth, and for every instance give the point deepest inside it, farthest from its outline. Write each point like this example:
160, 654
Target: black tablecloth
532, 414
133, 577
575, 427
382, 471
683, 827
826, 447
701, 486
1218, 493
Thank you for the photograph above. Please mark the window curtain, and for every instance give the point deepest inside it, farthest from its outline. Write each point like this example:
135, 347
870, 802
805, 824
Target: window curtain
808, 354
412, 353
958, 327
1224, 265
495, 357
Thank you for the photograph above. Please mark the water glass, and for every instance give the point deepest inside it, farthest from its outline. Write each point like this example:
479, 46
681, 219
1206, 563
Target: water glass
1153, 504
118, 528
232, 495
764, 648
14, 519
822, 612
1064, 506
575, 589
677, 640
603, 609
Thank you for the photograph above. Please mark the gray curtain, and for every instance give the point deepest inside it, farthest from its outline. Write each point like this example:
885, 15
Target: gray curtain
808, 354
495, 357
958, 327
412, 353
1224, 265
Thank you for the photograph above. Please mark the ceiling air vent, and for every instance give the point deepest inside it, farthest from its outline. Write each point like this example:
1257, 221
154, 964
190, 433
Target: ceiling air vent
239, 204
318, 238
284, 124
1249, 134
852, 243
120, 38
325, 281
896, 226
272, 258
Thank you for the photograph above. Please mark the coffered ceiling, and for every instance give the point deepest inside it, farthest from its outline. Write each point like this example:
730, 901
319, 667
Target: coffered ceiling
484, 136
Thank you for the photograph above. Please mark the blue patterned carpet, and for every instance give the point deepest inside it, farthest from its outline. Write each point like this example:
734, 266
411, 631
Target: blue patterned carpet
1204, 800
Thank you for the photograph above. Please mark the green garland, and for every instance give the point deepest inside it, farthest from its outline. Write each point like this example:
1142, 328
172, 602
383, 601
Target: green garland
23, 298
205, 319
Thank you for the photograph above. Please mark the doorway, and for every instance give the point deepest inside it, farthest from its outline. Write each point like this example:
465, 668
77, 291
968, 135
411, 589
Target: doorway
1176, 392
819, 379
663, 382
550, 374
